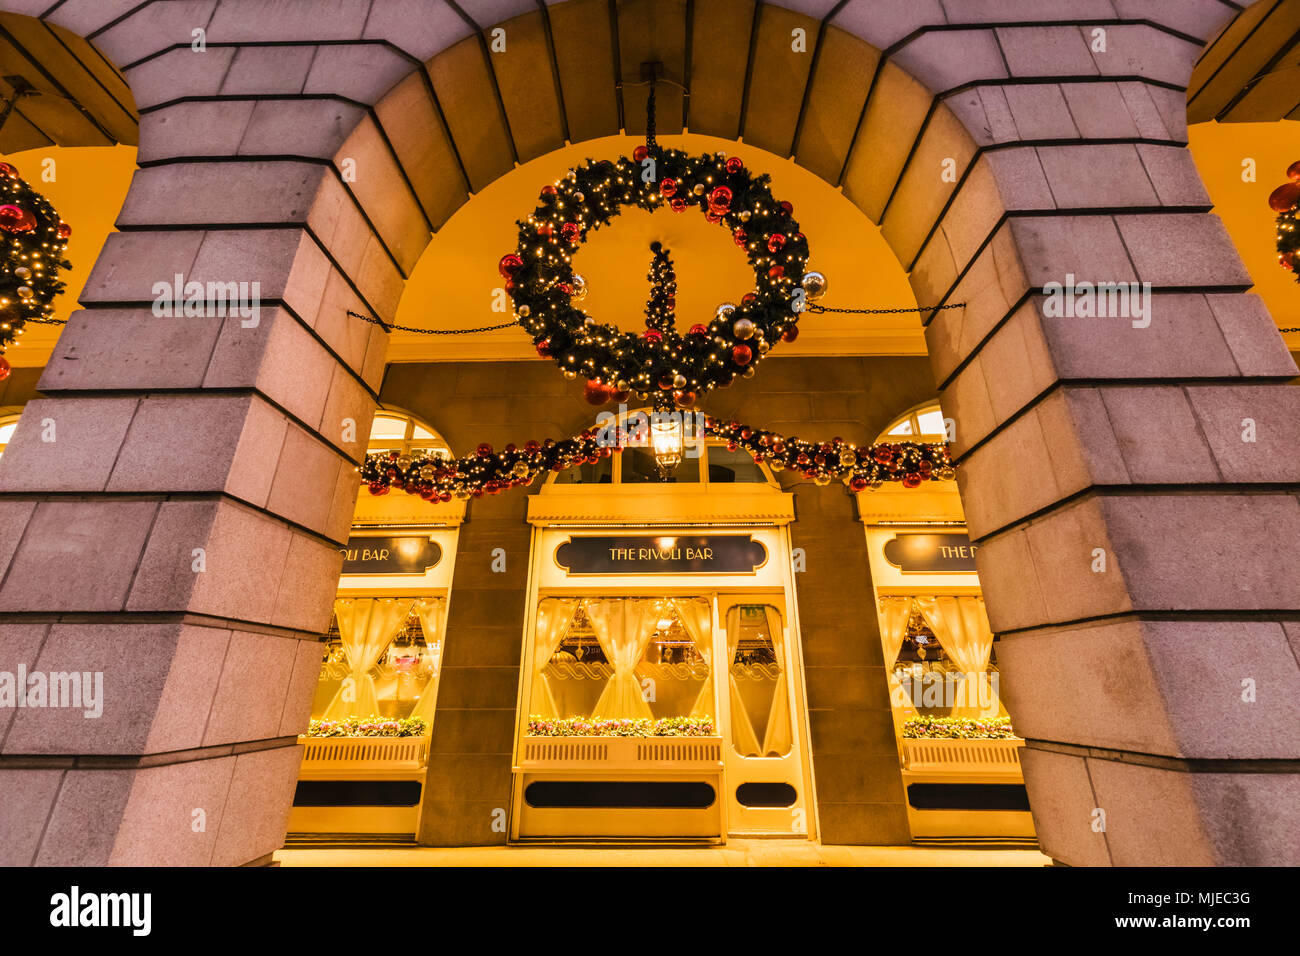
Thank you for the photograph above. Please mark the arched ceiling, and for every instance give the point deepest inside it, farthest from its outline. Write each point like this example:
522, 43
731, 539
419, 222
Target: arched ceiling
452, 286
73, 96
1250, 73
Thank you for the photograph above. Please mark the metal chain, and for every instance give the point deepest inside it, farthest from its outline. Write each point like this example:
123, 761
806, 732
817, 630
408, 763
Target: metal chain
811, 307
389, 327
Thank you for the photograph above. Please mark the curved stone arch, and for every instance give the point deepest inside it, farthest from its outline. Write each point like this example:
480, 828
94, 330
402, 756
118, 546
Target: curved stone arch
1021, 211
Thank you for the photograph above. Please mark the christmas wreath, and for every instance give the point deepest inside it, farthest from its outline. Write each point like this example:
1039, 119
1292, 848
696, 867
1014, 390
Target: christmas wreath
1285, 200
33, 240
672, 367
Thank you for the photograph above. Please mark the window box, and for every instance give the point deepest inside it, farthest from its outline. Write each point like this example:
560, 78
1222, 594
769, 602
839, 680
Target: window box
982, 755
334, 755
621, 753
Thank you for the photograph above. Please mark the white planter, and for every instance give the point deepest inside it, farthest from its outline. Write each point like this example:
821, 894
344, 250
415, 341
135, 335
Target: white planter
620, 753
347, 754
990, 756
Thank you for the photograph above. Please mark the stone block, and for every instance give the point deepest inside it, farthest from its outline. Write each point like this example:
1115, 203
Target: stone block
82, 827
1168, 248
29, 797
1063, 805
173, 814
249, 699
1267, 415
257, 807
186, 697
66, 444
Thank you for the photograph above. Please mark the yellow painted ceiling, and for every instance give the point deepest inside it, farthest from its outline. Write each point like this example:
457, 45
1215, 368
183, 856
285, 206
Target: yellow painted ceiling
453, 283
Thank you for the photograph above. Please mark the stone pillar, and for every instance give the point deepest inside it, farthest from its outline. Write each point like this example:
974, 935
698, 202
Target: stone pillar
1130, 478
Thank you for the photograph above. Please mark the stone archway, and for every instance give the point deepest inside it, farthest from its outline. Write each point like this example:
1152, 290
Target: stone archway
238, 442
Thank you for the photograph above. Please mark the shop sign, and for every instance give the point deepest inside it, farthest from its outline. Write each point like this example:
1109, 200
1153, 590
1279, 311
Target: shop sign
936, 553
662, 554
390, 554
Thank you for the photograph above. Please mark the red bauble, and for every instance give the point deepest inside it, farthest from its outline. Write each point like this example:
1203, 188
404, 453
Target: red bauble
1292, 172
742, 354
713, 215
858, 483
64, 231
748, 299
739, 236
668, 187
884, 455
720, 198
544, 348
911, 480
698, 329
549, 191
652, 335
776, 272
8, 171
532, 447
4, 368
597, 393
1279, 200
621, 396
734, 165
546, 229
790, 334
787, 208
775, 242
484, 450
508, 266
14, 219
571, 231
378, 488
565, 288
684, 399
1288, 261
678, 205
640, 153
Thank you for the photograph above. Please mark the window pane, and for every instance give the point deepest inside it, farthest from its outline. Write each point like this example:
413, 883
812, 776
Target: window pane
594, 659
732, 466
760, 706
7, 432
639, 468
385, 427
931, 422
601, 473
421, 432
902, 428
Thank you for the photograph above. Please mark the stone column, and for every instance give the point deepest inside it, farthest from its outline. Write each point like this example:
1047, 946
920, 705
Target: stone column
1131, 477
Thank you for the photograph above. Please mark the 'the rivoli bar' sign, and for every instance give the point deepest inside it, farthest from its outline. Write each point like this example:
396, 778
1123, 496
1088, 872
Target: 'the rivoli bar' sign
390, 554
937, 553
662, 554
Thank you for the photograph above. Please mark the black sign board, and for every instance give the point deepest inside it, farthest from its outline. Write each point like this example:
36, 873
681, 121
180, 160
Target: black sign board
944, 553
390, 554
662, 554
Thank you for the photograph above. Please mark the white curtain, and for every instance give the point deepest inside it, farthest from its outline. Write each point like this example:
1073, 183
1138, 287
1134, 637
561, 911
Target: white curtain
894, 612
697, 619
366, 627
623, 628
743, 737
432, 614
777, 737
962, 627
554, 617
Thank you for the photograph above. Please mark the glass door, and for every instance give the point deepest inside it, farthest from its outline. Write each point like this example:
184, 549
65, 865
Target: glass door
765, 781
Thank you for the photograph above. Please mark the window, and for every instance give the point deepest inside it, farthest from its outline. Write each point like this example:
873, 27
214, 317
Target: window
606, 659
392, 430
760, 704
923, 423
382, 659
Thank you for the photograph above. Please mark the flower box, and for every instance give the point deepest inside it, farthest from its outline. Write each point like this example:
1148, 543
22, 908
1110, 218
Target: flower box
592, 753
369, 755
997, 756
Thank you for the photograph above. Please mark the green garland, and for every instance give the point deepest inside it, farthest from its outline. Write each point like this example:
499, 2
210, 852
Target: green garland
439, 479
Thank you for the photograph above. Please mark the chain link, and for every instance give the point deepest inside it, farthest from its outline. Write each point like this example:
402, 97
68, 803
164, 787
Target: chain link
933, 308
390, 327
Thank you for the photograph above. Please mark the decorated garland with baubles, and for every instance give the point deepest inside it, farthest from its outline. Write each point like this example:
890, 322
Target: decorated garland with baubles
660, 362
491, 472
1285, 200
33, 240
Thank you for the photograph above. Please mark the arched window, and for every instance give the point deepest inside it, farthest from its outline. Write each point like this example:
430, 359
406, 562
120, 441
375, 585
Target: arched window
7, 425
924, 423
395, 430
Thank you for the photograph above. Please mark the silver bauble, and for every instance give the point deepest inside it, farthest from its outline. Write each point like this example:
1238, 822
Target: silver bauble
725, 310
814, 285
579, 284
